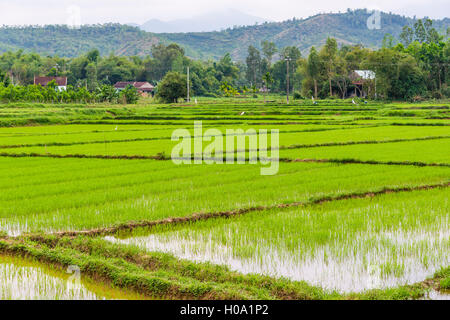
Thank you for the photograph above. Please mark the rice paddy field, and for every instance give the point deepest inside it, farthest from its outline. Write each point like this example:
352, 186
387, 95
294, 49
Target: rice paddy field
92, 206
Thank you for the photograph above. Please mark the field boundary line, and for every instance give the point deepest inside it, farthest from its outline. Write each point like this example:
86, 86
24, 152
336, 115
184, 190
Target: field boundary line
419, 124
162, 157
345, 143
349, 143
368, 162
82, 156
237, 212
65, 144
286, 122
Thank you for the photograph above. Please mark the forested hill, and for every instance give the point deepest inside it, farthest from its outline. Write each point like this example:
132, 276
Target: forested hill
68, 42
349, 27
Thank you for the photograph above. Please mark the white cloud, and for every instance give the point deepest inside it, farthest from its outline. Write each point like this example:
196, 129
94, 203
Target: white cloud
101, 11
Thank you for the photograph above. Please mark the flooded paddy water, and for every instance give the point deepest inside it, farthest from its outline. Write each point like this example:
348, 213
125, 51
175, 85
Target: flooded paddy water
352, 248
355, 270
21, 279
435, 295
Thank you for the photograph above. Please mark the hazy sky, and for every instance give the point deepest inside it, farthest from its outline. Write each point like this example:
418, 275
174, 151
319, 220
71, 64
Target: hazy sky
13, 12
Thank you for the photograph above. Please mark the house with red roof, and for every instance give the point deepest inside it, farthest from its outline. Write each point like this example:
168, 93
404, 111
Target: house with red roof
141, 87
61, 82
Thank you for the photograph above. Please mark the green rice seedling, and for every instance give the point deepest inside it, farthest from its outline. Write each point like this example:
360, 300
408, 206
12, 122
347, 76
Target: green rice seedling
75, 194
308, 222
150, 142
430, 151
349, 245
19, 282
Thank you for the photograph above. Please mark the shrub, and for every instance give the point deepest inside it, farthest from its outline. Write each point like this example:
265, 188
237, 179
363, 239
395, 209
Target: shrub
172, 87
130, 95
297, 96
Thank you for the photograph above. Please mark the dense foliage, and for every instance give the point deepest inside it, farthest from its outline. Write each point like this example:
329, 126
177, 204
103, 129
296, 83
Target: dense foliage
414, 67
417, 67
172, 87
50, 94
92, 71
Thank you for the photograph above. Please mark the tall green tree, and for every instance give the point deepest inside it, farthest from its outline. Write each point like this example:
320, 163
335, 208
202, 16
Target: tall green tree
253, 65
163, 59
407, 36
269, 49
172, 87
398, 74
91, 75
268, 80
226, 70
329, 55
388, 41
313, 68
420, 32
93, 55
432, 36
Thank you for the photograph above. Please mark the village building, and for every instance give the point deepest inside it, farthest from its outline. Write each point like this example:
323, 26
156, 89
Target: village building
363, 82
144, 88
61, 82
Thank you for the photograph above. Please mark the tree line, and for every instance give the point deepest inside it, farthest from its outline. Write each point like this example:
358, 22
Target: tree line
51, 94
415, 66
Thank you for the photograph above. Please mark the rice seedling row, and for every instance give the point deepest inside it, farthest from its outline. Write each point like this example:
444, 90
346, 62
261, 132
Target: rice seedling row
348, 245
155, 146
358, 210
162, 189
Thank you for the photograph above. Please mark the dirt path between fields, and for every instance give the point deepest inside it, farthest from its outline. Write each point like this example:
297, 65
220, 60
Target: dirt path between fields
228, 214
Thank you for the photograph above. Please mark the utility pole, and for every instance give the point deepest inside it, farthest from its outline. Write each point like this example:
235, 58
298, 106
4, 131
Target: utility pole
188, 87
376, 95
287, 59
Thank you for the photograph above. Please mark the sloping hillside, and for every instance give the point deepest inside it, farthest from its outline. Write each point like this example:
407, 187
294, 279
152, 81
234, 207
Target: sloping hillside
349, 27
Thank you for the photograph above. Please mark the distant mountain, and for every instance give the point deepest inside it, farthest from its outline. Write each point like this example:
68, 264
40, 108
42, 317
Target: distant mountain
348, 28
214, 21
